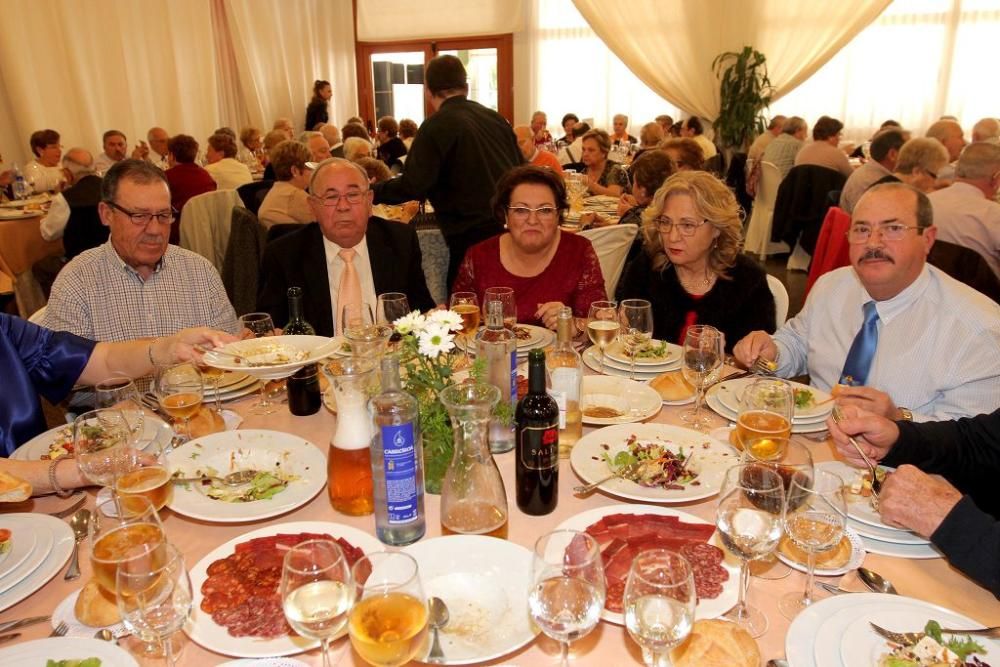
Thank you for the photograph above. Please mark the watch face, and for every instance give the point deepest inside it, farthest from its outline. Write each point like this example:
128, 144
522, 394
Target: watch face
905, 414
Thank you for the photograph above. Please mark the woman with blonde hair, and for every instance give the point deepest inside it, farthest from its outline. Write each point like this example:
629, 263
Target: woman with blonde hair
692, 269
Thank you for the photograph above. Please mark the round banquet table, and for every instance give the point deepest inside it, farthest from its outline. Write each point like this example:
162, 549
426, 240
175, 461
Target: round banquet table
21, 245
931, 580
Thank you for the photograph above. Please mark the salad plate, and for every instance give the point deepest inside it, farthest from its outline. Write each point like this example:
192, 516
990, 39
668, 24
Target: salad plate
712, 401
590, 460
593, 361
601, 396
154, 430
40, 651
813, 408
271, 357
654, 353
292, 472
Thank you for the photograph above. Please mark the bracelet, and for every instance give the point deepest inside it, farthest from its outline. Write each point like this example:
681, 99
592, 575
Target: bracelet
61, 492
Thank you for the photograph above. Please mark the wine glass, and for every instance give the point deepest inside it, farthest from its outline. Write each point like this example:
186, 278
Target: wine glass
602, 325
766, 411
355, 316
814, 521
214, 376
504, 295
467, 305
636, 317
317, 591
703, 356
388, 623
120, 392
154, 599
749, 519
124, 530
180, 390
101, 441
261, 326
659, 603
567, 587
390, 307
785, 457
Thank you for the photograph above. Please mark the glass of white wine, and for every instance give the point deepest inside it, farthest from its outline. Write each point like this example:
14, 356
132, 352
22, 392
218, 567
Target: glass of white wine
317, 591
602, 325
388, 623
814, 522
180, 390
636, 317
567, 587
703, 356
659, 603
120, 392
261, 326
101, 445
466, 304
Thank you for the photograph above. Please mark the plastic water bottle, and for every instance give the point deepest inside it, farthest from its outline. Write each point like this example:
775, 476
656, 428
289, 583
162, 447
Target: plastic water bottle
20, 186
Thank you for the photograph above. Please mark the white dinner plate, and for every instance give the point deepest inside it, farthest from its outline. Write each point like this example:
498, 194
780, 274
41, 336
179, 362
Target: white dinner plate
910, 551
857, 557
33, 199
711, 460
593, 362
341, 347
636, 401
536, 337
859, 507
17, 213
232, 394
205, 632
616, 352
828, 637
55, 542
639, 368
231, 451
706, 608
44, 539
485, 582
712, 401
860, 645
23, 539
264, 662
153, 429
38, 652
882, 535
284, 355
731, 393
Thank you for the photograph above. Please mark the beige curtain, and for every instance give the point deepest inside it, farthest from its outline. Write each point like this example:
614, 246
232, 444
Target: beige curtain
397, 20
670, 44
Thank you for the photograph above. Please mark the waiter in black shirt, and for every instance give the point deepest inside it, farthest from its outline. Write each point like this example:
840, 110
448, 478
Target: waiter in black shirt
456, 159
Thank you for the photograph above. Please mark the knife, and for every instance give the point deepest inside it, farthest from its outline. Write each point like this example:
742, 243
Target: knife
7, 638
13, 625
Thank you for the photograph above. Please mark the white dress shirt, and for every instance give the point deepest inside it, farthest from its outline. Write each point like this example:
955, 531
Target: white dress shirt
334, 269
708, 148
53, 224
964, 216
102, 163
938, 348
158, 160
42, 178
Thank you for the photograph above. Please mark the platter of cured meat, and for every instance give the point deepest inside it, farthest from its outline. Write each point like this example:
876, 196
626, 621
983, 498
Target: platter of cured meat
237, 605
624, 530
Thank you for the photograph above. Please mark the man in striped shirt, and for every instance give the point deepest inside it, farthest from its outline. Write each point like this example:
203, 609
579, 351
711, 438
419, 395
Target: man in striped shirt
137, 285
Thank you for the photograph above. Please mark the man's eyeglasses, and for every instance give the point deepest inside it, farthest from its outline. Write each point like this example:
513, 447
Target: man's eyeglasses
143, 219
684, 227
353, 198
892, 231
522, 213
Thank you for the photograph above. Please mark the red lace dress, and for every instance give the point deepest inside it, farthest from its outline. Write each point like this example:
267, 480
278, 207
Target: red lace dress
573, 277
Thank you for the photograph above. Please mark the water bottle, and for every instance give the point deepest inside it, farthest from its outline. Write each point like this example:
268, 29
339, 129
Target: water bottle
20, 186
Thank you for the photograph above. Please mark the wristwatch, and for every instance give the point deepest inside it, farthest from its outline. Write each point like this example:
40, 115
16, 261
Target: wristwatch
904, 415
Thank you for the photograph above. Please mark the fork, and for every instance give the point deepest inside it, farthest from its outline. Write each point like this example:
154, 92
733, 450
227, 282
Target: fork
838, 417
762, 366
909, 638
60, 630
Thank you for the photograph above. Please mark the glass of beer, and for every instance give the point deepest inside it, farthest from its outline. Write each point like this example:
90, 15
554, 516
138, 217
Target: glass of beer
766, 410
466, 304
349, 469
125, 531
146, 474
388, 624
180, 390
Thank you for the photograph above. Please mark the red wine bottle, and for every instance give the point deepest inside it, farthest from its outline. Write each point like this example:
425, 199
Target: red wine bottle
537, 438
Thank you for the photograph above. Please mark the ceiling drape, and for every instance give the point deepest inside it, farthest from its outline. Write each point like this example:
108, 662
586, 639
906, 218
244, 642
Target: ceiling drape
397, 20
670, 44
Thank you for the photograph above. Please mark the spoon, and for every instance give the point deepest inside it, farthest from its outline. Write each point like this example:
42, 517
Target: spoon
104, 635
876, 582
439, 619
232, 479
79, 522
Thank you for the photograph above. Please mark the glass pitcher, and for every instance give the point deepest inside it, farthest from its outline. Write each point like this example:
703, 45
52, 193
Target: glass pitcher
473, 498
349, 468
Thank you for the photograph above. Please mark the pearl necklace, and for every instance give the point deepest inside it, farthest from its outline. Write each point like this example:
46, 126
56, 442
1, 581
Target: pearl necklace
696, 287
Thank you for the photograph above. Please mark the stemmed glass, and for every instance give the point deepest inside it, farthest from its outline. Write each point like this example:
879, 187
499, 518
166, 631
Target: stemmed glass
703, 357
749, 519
154, 598
388, 623
390, 307
602, 325
317, 591
101, 440
636, 317
567, 587
261, 326
659, 603
504, 295
466, 304
355, 316
120, 392
213, 375
180, 390
766, 410
814, 521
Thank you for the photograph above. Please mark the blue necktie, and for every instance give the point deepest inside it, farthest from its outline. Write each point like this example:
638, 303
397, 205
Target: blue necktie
862, 352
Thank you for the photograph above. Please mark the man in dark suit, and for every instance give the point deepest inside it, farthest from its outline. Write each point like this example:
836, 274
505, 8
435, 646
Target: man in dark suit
347, 256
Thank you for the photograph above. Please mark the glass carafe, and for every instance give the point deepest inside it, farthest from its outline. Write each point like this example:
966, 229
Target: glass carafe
349, 468
473, 498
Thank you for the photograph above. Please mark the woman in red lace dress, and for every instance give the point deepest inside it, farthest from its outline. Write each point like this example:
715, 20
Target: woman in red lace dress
546, 267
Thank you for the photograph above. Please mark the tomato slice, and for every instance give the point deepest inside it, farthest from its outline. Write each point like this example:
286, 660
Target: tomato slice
4, 534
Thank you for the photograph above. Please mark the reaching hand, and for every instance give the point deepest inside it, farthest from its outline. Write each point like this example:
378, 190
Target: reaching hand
874, 433
869, 399
755, 344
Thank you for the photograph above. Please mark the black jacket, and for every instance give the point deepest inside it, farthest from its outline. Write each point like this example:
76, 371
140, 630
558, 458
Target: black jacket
316, 113
84, 229
299, 259
966, 452
735, 307
801, 204
391, 151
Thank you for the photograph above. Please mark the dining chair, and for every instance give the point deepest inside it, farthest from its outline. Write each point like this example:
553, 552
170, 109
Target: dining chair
205, 224
611, 244
780, 295
758, 236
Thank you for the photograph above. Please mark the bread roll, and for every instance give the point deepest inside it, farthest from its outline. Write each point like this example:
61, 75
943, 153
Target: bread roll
672, 386
13, 489
716, 643
96, 607
206, 422
826, 560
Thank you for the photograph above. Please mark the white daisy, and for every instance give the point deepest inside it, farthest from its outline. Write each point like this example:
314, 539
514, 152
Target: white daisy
434, 340
410, 322
448, 318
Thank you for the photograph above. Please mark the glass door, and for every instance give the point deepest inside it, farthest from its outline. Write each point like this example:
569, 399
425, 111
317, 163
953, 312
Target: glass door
398, 85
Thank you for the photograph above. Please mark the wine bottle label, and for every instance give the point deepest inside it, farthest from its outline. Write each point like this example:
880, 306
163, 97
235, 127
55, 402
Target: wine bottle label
539, 447
400, 463
560, 398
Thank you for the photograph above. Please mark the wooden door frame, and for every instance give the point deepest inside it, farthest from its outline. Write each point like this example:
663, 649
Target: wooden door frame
504, 44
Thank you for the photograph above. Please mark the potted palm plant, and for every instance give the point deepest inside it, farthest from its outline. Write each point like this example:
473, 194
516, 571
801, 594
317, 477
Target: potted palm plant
744, 92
